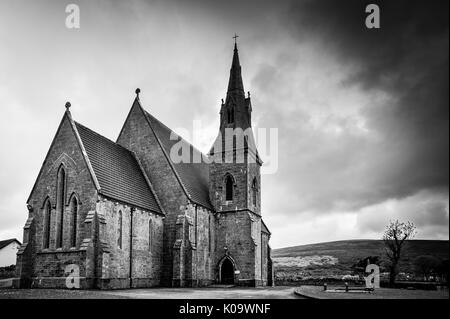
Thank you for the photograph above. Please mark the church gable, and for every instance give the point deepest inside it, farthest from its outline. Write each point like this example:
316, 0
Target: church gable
137, 136
93, 164
66, 152
153, 137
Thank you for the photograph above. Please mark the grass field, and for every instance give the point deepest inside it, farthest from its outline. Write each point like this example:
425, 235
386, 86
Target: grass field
335, 259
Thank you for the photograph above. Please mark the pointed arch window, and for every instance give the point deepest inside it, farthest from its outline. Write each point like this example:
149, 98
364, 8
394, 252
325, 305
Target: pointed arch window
228, 188
74, 222
255, 191
119, 237
230, 115
60, 200
47, 223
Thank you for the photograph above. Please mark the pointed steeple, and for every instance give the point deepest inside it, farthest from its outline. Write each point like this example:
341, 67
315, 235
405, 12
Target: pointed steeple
235, 83
235, 113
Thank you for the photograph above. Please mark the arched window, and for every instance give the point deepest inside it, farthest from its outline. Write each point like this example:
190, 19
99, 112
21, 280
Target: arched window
255, 191
229, 188
60, 200
74, 216
119, 237
230, 116
47, 223
150, 234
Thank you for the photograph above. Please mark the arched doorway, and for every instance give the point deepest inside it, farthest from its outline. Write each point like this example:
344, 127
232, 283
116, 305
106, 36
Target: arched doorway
227, 272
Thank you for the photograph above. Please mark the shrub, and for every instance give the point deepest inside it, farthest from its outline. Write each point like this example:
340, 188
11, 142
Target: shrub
7, 272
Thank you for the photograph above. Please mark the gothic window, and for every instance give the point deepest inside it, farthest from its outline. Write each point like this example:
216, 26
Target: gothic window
74, 216
60, 200
47, 223
119, 237
254, 191
150, 234
229, 188
230, 116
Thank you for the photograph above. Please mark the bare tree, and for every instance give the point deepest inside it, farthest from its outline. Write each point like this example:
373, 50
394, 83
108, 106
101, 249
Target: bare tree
394, 237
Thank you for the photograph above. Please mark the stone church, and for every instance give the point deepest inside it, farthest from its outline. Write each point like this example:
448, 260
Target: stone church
128, 214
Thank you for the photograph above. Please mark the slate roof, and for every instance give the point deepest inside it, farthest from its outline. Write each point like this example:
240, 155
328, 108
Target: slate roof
4, 243
193, 176
117, 171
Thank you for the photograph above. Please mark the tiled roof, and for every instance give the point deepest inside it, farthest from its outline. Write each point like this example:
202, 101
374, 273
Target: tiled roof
117, 171
4, 243
193, 176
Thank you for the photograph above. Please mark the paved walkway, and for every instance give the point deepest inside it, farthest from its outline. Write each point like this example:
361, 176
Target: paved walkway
155, 293
317, 292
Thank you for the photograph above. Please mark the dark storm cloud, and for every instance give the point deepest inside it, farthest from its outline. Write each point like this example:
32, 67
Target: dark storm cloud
408, 59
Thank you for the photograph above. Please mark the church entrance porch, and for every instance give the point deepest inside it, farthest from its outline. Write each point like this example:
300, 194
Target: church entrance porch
226, 271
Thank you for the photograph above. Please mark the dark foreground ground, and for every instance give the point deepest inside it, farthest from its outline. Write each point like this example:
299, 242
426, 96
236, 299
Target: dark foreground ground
153, 293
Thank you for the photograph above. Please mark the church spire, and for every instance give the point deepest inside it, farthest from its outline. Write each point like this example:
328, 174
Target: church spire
235, 83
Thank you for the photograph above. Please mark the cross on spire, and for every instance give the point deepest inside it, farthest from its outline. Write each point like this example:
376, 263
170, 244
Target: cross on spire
235, 82
235, 38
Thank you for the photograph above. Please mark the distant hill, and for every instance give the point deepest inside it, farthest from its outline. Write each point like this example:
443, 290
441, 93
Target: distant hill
337, 257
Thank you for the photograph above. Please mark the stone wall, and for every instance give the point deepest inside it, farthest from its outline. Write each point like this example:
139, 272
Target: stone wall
254, 172
201, 235
234, 238
141, 233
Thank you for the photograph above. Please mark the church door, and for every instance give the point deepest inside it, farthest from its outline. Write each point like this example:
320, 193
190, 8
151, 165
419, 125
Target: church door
227, 272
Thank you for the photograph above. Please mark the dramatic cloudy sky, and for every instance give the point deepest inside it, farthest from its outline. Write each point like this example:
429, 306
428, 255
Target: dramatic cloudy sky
362, 115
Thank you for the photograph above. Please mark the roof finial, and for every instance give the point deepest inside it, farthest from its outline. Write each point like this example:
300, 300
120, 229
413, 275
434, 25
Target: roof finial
68, 105
138, 90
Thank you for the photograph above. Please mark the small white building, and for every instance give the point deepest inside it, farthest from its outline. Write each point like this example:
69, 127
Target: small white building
8, 251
